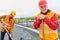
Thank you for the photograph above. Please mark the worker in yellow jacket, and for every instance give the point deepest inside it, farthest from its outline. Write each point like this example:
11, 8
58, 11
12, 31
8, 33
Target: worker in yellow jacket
7, 24
47, 22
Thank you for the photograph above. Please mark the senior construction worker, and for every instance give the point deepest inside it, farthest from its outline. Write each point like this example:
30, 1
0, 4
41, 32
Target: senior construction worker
47, 22
7, 24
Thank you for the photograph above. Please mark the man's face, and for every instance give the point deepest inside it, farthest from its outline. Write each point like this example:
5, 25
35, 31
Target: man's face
43, 8
11, 16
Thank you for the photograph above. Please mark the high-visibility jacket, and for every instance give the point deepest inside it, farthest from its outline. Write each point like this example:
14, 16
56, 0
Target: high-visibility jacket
9, 21
48, 26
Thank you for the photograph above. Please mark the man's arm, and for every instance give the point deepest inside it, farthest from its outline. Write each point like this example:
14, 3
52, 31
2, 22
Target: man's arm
13, 21
37, 23
53, 22
2, 17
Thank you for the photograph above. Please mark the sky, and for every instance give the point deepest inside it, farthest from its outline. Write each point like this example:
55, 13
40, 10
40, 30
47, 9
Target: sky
26, 8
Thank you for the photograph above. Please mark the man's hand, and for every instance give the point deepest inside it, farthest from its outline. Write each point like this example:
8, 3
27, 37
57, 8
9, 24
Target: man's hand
9, 25
6, 24
5, 27
42, 17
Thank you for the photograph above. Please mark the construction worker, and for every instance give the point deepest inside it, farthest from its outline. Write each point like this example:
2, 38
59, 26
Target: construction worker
47, 22
7, 24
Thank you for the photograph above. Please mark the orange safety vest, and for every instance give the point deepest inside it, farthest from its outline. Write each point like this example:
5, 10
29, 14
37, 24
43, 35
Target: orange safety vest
45, 31
11, 22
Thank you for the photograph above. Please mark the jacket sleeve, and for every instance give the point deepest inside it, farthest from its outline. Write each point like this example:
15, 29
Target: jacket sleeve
2, 17
37, 23
53, 22
13, 21
12, 24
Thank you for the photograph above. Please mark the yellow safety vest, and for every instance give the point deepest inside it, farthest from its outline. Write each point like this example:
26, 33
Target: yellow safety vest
45, 31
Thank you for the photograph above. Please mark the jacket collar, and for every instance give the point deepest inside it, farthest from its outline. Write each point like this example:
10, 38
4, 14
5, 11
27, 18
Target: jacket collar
46, 12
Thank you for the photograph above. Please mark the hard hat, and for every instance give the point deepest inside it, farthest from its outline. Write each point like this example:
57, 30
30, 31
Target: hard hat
42, 2
13, 12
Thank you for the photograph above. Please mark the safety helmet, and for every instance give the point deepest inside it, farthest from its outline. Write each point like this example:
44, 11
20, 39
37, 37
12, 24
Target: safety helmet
42, 2
13, 12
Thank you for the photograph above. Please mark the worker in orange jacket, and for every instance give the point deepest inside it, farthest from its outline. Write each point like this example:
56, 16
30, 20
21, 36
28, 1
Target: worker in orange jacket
47, 22
7, 24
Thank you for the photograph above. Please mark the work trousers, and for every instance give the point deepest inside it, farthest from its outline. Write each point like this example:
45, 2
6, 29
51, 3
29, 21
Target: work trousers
3, 35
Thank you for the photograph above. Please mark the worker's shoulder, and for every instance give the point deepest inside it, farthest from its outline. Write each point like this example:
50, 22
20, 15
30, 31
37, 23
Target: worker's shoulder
38, 15
52, 13
55, 13
6, 15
